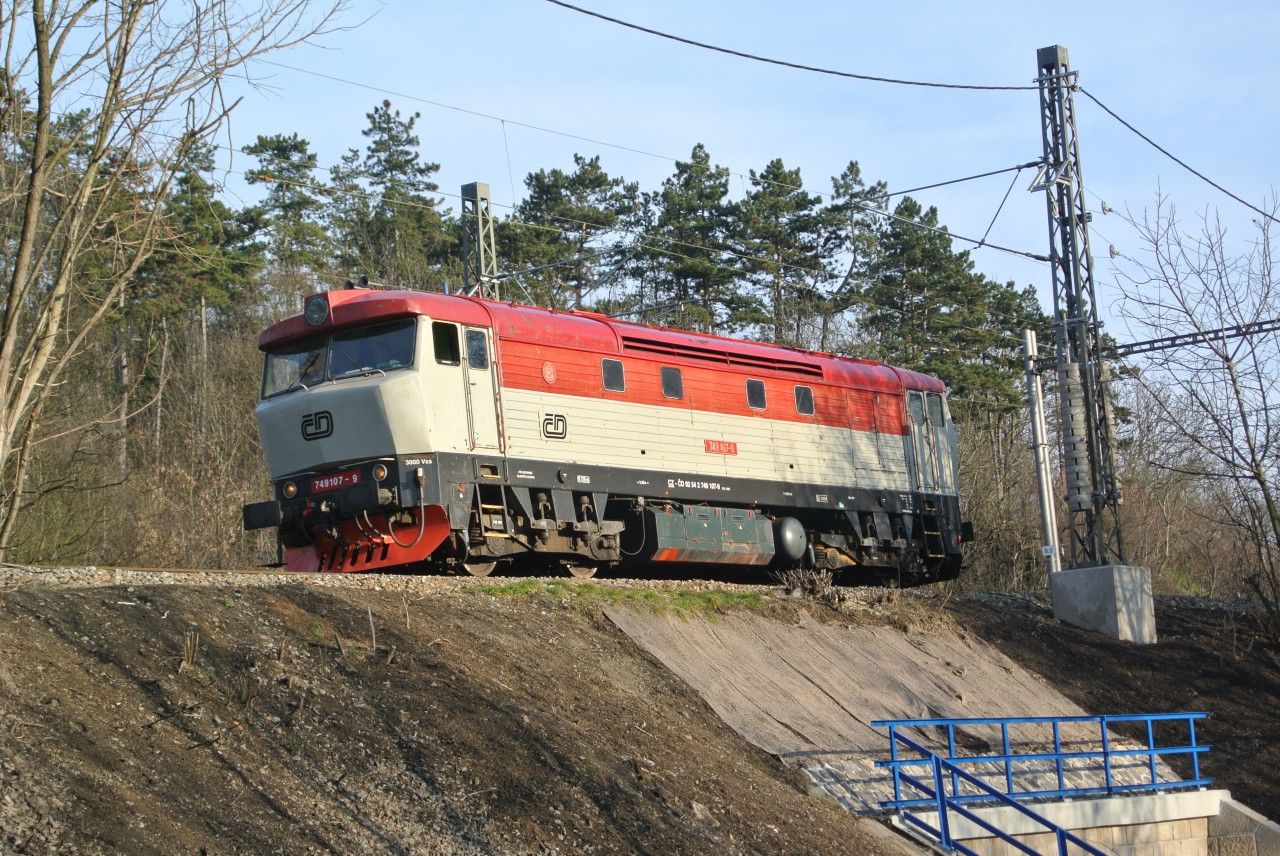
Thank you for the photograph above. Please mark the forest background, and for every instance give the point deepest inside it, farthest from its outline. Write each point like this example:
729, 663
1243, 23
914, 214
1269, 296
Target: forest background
135, 294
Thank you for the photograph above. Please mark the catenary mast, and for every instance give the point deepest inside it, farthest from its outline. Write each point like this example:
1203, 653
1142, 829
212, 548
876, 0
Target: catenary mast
1088, 429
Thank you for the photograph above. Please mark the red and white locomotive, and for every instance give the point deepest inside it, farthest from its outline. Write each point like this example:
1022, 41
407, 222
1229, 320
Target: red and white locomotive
415, 431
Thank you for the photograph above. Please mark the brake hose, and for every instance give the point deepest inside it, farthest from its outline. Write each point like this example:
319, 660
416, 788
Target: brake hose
422, 515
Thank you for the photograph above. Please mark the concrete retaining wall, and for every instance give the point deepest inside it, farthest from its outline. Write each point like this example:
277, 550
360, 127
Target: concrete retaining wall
1166, 824
1168, 838
1190, 823
1240, 831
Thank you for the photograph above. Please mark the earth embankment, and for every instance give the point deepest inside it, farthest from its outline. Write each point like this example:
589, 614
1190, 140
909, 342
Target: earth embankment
233, 715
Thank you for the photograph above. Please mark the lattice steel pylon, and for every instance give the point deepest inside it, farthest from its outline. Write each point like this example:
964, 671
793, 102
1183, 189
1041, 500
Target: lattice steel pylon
1088, 456
479, 248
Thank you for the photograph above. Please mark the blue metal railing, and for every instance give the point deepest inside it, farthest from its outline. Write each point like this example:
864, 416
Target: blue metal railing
945, 805
1007, 757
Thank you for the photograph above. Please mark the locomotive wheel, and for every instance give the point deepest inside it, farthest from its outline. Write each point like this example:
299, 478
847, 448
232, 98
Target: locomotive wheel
479, 569
580, 572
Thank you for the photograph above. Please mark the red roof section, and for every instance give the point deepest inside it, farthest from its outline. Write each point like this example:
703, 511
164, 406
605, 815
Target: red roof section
590, 331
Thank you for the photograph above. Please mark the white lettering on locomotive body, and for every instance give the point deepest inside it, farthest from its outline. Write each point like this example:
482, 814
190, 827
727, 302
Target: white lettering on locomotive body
332, 482
697, 484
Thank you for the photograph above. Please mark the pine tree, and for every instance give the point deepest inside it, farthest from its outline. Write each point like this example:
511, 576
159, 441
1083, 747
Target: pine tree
567, 220
926, 308
686, 248
790, 241
853, 208
297, 241
382, 210
206, 270
211, 255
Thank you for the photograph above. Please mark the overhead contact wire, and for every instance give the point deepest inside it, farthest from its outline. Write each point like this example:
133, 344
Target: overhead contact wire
619, 147
782, 62
948, 183
1171, 156
1000, 207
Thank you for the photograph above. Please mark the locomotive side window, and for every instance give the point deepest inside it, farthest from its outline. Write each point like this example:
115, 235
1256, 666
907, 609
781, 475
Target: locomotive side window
935, 409
613, 376
444, 337
916, 408
672, 383
755, 394
804, 400
477, 350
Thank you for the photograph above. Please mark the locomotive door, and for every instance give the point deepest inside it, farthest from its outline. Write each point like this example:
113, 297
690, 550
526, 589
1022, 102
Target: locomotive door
922, 441
481, 391
944, 445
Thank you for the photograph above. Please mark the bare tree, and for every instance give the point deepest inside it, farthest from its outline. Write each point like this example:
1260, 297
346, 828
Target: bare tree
100, 100
1217, 399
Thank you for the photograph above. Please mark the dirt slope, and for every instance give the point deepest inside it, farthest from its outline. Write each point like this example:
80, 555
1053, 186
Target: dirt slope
477, 725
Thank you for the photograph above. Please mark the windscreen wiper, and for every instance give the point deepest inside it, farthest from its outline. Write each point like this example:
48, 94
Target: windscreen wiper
308, 367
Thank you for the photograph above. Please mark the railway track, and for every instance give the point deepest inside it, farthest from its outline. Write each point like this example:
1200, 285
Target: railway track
27, 576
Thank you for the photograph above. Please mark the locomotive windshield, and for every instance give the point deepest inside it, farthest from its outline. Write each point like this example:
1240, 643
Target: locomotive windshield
292, 366
371, 349
347, 353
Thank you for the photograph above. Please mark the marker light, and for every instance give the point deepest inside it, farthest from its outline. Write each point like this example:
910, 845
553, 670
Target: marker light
290, 490
379, 472
316, 310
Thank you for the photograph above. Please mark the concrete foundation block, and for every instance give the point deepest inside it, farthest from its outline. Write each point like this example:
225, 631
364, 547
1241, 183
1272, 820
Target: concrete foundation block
1110, 599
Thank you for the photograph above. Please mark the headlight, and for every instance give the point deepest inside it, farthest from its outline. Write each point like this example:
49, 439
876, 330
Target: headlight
316, 310
290, 490
379, 472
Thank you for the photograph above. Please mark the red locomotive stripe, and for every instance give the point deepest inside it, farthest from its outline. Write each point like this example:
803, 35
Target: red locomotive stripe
848, 393
716, 390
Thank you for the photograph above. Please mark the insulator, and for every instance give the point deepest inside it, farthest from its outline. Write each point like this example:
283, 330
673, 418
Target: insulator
1109, 414
1075, 441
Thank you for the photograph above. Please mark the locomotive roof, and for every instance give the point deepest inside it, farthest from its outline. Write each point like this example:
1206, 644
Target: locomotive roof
593, 332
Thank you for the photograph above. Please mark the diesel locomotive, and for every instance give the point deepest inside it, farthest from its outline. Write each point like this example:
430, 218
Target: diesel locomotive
411, 431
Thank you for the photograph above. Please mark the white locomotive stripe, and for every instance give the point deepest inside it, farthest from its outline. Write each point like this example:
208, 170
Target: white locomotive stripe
606, 432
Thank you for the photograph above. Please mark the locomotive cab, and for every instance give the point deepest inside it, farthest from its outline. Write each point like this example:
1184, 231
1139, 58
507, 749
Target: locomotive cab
352, 413
340, 397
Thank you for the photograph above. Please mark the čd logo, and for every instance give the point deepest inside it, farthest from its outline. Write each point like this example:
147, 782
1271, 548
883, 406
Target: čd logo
555, 426
317, 425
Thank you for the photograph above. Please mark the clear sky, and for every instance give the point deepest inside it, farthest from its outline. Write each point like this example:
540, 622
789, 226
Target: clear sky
1200, 78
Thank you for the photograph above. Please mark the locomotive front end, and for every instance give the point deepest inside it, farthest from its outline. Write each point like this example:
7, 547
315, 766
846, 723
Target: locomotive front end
348, 449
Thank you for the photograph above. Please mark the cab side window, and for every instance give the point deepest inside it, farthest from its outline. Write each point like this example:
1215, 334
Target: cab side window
936, 415
477, 350
444, 337
755, 394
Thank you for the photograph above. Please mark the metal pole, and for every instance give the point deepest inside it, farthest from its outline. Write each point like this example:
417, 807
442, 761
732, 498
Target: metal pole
1040, 448
479, 249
